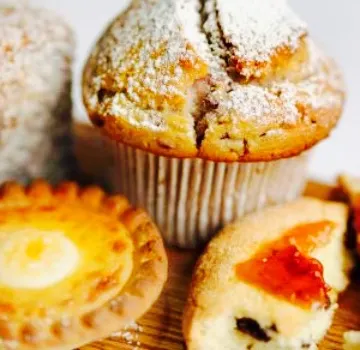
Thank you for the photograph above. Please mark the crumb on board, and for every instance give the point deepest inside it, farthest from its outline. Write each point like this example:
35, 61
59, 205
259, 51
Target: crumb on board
129, 334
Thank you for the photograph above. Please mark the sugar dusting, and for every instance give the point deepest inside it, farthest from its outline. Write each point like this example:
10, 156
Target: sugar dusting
257, 28
256, 103
148, 45
130, 335
144, 52
250, 32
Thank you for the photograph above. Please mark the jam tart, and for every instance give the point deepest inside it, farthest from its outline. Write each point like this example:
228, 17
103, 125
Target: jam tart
75, 265
270, 280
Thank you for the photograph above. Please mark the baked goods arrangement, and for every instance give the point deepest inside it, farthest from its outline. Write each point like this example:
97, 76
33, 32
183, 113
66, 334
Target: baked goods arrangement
208, 111
192, 92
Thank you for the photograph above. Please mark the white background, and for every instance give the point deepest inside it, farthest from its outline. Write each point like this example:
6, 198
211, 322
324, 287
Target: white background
334, 23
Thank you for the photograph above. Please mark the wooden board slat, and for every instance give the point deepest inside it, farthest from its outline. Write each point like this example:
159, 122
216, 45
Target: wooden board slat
161, 326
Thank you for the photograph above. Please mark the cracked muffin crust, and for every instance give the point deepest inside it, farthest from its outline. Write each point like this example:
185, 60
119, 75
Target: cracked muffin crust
270, 280
221, 80
76, 265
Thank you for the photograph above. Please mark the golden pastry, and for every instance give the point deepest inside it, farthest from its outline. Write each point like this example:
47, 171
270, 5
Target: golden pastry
75, 265
271, 280
192, 92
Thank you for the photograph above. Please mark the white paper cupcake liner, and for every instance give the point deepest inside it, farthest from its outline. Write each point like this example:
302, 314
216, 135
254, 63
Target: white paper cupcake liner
190, 199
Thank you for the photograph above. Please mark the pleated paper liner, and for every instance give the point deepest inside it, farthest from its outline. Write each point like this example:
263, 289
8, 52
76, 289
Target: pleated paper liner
190, 199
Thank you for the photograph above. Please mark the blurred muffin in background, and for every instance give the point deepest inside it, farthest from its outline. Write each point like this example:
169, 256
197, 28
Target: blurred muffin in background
36, 54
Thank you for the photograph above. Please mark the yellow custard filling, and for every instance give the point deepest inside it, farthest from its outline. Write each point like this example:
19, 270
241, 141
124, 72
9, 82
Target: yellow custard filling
36, 259
61, 259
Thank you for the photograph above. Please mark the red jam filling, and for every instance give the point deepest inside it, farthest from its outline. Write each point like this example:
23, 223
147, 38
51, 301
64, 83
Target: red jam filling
284, 268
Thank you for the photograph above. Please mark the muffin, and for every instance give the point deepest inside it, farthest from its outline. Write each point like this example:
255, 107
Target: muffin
210, 106
75, 265
270, 280
36, 53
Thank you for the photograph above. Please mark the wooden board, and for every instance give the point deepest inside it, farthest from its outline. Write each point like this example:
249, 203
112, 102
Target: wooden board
161, 327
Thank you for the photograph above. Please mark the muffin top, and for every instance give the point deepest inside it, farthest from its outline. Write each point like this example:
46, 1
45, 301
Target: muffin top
36, 49
217, 79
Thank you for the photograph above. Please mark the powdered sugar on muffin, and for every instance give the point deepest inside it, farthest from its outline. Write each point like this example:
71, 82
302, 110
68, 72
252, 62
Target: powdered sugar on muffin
258, 28
185, 73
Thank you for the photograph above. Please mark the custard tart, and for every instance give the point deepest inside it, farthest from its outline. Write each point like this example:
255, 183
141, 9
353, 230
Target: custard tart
270, 281
75, 265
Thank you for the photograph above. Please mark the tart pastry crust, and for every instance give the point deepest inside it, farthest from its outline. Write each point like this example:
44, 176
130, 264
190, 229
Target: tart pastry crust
209, 79
115, 267
229, 308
